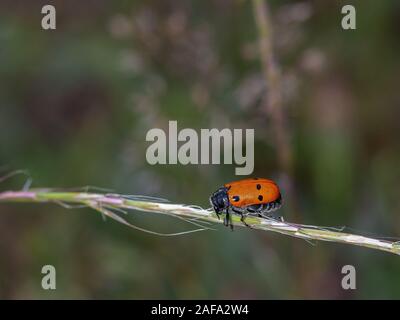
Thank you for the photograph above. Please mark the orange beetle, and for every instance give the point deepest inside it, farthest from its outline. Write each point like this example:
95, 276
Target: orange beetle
255, 196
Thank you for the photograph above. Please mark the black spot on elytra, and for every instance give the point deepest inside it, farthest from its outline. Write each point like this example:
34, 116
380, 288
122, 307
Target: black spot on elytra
258, 186
260, 197
236, 198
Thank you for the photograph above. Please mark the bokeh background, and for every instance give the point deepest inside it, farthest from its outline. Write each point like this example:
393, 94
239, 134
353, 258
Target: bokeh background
76, 104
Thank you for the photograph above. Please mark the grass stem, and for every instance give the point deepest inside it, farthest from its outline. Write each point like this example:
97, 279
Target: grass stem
107, 204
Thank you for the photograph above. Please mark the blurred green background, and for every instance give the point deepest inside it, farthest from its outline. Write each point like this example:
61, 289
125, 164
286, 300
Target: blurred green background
76, 104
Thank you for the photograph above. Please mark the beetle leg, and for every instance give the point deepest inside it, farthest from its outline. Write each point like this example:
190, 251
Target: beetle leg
242, 216
225, 221
228, 219
217, 213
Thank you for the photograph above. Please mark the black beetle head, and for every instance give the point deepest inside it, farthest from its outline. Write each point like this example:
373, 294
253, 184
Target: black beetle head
219, 200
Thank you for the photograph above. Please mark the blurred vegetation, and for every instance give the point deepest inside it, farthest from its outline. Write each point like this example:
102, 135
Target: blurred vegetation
76, 104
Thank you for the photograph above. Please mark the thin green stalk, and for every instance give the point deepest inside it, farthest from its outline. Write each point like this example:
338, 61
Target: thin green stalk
107, 204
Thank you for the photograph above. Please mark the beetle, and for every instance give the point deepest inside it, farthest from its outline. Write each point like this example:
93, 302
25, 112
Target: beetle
254, 196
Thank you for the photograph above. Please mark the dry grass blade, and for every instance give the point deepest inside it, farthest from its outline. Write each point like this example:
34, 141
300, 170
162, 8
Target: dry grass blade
106, 204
